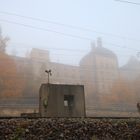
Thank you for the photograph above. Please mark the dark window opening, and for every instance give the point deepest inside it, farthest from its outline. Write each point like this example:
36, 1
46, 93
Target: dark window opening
68, 100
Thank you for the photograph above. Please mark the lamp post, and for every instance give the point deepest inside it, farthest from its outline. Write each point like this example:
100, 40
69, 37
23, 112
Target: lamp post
49, 72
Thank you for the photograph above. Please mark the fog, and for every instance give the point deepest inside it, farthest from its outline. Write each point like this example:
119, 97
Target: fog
90, 43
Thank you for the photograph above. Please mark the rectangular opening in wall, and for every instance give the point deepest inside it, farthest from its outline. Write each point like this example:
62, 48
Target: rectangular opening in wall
68, 100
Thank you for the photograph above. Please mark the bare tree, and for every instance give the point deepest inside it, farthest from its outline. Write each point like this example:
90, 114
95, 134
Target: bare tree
3, 42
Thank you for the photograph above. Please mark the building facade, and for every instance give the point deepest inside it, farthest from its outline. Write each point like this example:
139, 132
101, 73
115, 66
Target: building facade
99, 70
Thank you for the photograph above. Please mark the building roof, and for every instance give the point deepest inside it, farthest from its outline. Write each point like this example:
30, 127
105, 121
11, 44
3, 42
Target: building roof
103, 51
131, 70
98, 51
133, 63
39, 54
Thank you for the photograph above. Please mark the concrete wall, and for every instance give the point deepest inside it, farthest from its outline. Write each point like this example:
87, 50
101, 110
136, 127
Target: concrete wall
54, 95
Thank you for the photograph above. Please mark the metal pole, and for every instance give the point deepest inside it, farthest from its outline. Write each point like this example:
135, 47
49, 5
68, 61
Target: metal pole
48, 78
49, 74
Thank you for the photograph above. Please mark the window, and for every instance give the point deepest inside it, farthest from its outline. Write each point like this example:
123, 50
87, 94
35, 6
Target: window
65, 102
68, 100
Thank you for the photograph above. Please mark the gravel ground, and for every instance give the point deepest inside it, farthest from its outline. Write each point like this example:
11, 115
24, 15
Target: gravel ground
69, 129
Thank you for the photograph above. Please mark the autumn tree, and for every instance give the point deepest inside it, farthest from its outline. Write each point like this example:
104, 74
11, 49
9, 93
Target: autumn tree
34, 80
121, 94
10, 82
29, 89
123, 91
3, 42
136, 88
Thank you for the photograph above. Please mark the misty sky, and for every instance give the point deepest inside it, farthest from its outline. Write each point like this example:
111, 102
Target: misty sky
117, 23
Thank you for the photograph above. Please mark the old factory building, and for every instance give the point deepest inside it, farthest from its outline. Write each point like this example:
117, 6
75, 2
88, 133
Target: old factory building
104, 82
99, 71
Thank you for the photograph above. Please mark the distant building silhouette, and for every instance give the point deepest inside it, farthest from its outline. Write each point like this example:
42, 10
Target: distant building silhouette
40, 55
99, 70
131, 70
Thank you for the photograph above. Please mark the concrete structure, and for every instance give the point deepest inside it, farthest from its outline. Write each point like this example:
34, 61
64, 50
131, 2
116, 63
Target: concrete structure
61, 100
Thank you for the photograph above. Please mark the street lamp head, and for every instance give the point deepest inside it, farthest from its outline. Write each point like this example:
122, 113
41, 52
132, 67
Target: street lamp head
46, 71
49, 72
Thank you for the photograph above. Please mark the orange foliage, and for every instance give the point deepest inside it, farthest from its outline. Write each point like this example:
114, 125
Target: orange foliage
11, 84
121, 92
136, 88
